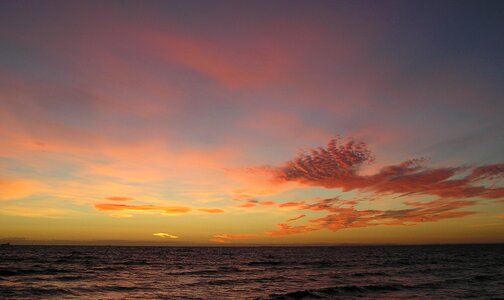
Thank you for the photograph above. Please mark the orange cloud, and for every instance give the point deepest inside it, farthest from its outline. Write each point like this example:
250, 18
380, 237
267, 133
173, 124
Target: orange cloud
118, 198
165, 235
285, 229
343, 214
121, 216
252, 203
174, 210
247, 205
211, 210
228, 238
170, 210
291, 204
11, 189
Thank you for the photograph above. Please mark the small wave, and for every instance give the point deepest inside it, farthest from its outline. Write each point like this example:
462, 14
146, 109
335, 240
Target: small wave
12, 292
198, 272
265, 263
483, 277
6, 273
72, 278
222, 282
136, 263
106, 268
243, 281
38, 291
50, 271
363, 274
229, 269
208, 271
118, 288
329, 292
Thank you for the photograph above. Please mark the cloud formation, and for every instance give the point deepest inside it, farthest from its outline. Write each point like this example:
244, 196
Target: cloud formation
165, 210
125, 210
165, 235
228, 238
253, 203
118, 198
338, 164
211, 210
296, 218
343, 214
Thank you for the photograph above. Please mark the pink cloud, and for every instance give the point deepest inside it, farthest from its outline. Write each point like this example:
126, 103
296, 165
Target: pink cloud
345, 215
338, 166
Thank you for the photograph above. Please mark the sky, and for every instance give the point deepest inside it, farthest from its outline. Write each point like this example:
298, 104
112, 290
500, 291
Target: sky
251, 122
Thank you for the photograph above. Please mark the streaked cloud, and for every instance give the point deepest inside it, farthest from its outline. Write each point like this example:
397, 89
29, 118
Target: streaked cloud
165, 235
127, 209
11, 189
229, 238
116, 198
296, 218
173, 210
211, 210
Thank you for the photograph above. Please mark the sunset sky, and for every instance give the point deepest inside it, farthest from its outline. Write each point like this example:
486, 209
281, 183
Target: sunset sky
252, 122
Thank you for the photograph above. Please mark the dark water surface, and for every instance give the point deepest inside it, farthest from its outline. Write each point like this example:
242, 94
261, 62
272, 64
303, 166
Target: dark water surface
388, 272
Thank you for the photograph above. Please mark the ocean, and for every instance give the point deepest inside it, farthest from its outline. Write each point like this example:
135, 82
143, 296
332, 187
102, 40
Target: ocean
347, 272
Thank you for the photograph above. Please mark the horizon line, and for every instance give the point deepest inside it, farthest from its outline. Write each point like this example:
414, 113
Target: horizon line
202, 245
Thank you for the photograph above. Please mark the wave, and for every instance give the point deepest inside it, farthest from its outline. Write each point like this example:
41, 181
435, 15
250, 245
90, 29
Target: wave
118, 288
49, 271
363, 274
326, 293
135, 263
265, 263
73, 278
10, 292
223, 269
241, 281
6, 273
484, 277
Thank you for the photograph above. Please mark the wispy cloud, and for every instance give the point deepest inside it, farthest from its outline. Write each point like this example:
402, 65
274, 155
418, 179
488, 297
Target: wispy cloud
165, 210
211, 210
165, 235
121, 216
119, 198
126, 209
11, 189
296, 218
252, 203
286, 229
345, 215
228, 238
